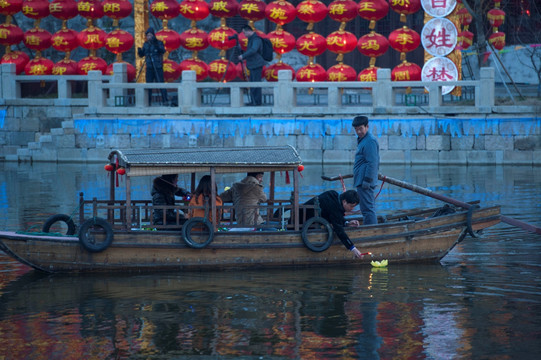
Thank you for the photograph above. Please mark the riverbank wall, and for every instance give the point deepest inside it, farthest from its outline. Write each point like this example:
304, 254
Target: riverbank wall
66, 134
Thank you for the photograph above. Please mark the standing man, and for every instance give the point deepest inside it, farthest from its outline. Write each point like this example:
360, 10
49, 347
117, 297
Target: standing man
153, 50
365, 169
254, 62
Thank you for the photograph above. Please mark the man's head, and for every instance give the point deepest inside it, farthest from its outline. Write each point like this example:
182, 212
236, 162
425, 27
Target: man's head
360, 124
247, 30
170, 178
150, 34
257, 175
349, 200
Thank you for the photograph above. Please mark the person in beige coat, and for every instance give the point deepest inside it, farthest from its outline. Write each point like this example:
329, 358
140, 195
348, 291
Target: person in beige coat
247, 192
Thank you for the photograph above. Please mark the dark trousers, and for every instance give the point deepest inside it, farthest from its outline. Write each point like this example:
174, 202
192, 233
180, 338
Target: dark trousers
155, 75
255, 93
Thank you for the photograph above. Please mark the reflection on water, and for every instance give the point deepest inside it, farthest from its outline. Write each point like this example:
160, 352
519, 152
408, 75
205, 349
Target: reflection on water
484, 301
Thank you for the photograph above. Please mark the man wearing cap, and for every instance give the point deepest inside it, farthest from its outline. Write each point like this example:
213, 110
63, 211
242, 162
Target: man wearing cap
153, 50
365, 169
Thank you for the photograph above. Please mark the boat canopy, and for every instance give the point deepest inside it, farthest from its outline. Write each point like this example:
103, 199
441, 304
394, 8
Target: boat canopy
145, 162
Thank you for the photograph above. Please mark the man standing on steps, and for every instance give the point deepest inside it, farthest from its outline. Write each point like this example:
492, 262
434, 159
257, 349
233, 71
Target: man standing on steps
254, 62
365, 169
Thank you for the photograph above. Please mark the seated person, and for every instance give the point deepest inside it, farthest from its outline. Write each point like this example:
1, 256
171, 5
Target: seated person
164, 189
333, 207
247, 192
201, 197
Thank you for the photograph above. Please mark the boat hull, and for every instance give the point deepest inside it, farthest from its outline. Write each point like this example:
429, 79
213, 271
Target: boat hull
142, 251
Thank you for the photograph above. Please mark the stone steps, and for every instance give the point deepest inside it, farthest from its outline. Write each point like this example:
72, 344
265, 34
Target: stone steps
48, 146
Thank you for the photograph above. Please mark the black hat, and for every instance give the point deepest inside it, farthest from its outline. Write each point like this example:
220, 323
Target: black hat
359, 120
150, 30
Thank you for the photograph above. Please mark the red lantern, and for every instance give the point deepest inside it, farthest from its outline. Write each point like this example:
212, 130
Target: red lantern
63, 9
369, 74
224, 9
170, 38
497, 40
404, 40
271, 72
11, 7
65, 67
91, 63
165, 9
171, 70
252, 10
496, 17
311, 44
311, 73
130, 70
218, 68
90, 9
200, 67
117, 9
37, 39
194, 39
35, 9
121, 171
464, 17
10, 34
39, 66
64, 40
341, 72
220, 38
109, 167
118, 41
282, 41
280, 12
300, 168
343, 10
194, 10
92, 38
405, 7
341, 42
19, 58
406, 72
465, 39
372, 44
373, 10
311, 11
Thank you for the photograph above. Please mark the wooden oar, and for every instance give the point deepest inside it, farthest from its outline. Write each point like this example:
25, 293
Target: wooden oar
424, 191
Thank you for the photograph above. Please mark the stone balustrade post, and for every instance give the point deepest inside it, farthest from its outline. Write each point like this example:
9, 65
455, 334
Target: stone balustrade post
434, 94
382, 92
95, 92
334, 95
9, 88
285, 97
187, 98
120, 76
484, 92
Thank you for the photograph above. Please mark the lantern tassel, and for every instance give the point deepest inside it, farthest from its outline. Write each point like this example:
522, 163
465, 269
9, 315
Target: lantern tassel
372, 25
310, 26
372, 61
288, 181
340, 58
402, 56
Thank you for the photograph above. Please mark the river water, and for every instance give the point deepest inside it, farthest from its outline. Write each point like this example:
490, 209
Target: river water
483, 301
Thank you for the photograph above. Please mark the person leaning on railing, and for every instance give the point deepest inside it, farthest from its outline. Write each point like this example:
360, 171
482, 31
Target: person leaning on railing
200, 204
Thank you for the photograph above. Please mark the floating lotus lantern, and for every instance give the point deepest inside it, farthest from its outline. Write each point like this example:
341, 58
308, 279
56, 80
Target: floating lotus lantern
406, 7
19, 58
372, 45
341, 42
222, 70
343, 11
252, 10
404, 40
311, 11
373, 10
280, 12
39, 66
200, 67
91, 63
271, 71
311, 73
341, 72
65, 67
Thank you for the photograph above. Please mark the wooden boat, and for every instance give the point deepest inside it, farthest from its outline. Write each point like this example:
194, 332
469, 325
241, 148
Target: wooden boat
119, 234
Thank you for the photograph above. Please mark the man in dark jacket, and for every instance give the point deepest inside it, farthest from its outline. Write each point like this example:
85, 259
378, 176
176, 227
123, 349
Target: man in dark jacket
153, 50
254, 62
365, 169
164, 189
333, 207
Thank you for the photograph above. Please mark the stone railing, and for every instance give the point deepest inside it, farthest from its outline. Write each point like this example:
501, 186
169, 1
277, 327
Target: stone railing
113, 95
